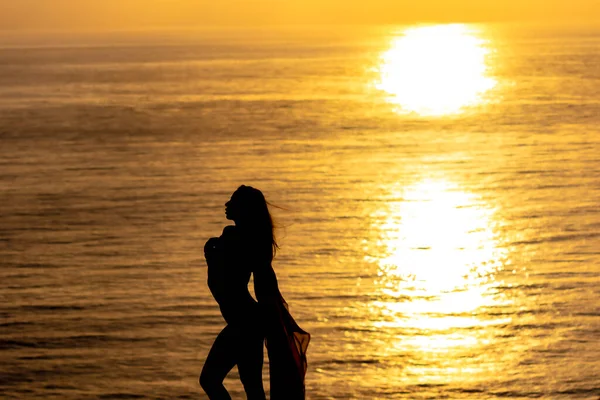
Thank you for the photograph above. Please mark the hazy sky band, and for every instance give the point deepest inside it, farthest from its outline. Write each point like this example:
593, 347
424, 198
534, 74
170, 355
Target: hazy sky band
126, 14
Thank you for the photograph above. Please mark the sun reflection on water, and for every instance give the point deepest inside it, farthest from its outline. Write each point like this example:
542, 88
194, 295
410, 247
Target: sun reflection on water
436, 70
438, 256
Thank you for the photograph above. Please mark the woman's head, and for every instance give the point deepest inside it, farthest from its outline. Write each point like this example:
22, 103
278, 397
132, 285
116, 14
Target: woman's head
249, 210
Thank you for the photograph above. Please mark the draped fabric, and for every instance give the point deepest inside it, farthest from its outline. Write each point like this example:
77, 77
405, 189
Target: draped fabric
286, 342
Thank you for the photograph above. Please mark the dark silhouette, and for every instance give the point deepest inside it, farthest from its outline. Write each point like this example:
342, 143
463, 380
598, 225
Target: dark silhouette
244, 249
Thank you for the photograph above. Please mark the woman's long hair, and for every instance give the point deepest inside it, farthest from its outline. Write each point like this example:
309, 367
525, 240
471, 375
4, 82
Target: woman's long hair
286, 342
255, 220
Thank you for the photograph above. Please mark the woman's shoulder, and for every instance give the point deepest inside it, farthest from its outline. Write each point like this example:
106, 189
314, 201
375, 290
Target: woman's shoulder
230, 232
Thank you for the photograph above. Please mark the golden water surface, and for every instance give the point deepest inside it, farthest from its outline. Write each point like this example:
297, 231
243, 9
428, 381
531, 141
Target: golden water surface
438, 219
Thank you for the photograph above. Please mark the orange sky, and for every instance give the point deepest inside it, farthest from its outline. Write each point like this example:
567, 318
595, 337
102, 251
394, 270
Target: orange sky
131, 14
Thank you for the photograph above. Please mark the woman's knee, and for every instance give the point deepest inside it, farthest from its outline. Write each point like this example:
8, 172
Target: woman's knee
208, 381
202, 380
255, 393
251, 377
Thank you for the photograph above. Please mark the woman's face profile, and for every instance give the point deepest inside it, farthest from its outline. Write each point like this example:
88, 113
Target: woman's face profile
232, 207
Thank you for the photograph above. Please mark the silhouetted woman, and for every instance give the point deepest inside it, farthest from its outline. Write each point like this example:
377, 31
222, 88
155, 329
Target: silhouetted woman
244, 249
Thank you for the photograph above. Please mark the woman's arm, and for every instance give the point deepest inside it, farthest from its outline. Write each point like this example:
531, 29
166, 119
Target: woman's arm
266, 288
213, 261
210, 250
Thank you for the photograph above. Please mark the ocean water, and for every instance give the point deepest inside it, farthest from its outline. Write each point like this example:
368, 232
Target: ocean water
437, 193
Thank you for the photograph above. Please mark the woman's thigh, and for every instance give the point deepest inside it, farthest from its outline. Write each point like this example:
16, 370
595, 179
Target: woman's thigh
222, 356
250, 364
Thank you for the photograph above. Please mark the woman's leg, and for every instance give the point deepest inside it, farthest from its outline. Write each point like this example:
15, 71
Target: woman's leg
221, 359
250, 364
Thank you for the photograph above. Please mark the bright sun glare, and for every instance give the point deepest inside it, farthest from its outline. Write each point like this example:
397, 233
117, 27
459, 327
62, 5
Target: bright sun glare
438, 257
439, 238
436, 70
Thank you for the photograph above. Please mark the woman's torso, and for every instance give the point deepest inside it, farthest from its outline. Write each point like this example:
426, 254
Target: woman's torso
228, 277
